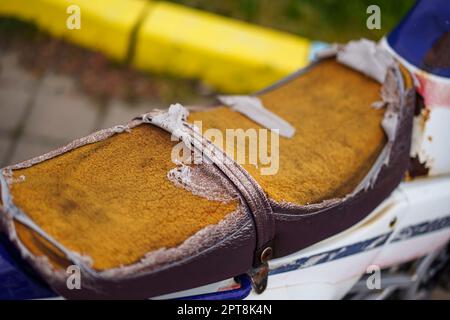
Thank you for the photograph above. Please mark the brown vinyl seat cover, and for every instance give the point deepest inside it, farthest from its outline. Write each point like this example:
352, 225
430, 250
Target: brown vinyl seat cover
111, 201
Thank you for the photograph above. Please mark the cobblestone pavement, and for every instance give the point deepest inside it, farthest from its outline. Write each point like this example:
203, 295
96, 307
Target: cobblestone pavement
38, 114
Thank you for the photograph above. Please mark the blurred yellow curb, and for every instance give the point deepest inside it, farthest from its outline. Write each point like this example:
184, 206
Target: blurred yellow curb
106, 25
230, 55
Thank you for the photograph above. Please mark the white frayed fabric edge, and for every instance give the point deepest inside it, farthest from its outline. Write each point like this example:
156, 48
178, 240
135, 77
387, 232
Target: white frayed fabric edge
363, 55
172, 120
180, 174
253, 108
367, 57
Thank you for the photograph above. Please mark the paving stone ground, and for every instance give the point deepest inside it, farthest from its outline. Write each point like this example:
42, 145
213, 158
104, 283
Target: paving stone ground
41, 113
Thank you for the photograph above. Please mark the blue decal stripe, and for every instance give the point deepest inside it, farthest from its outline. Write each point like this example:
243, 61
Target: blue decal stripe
332, 255
366, 245
236, 294
422, 228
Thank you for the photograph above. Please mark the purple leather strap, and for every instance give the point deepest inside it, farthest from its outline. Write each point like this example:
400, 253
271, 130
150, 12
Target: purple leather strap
251, 192
174, 120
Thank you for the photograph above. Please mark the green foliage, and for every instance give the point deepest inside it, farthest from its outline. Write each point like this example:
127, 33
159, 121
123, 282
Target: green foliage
327, 20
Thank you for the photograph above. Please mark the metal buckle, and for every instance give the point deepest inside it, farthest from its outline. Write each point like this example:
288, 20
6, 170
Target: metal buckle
259, 277
260, 274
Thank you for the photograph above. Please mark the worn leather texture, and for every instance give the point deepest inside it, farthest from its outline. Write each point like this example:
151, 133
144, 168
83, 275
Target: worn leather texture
296, 228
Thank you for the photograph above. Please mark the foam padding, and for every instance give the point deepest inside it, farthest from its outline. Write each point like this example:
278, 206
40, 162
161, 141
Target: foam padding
112, 201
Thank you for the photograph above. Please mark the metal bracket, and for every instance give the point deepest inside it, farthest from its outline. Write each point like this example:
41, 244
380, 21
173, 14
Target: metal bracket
259, 277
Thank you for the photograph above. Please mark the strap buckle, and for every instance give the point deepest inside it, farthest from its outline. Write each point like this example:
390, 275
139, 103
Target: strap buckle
260, 273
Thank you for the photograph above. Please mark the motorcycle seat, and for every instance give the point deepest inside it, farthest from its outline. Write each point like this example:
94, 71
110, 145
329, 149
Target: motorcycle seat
116, 205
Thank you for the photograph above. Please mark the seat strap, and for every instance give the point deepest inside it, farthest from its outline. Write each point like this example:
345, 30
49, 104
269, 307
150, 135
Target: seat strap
252, 194
174, 121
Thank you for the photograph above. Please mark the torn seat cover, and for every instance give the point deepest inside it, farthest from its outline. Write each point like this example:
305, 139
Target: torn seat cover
139, 225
